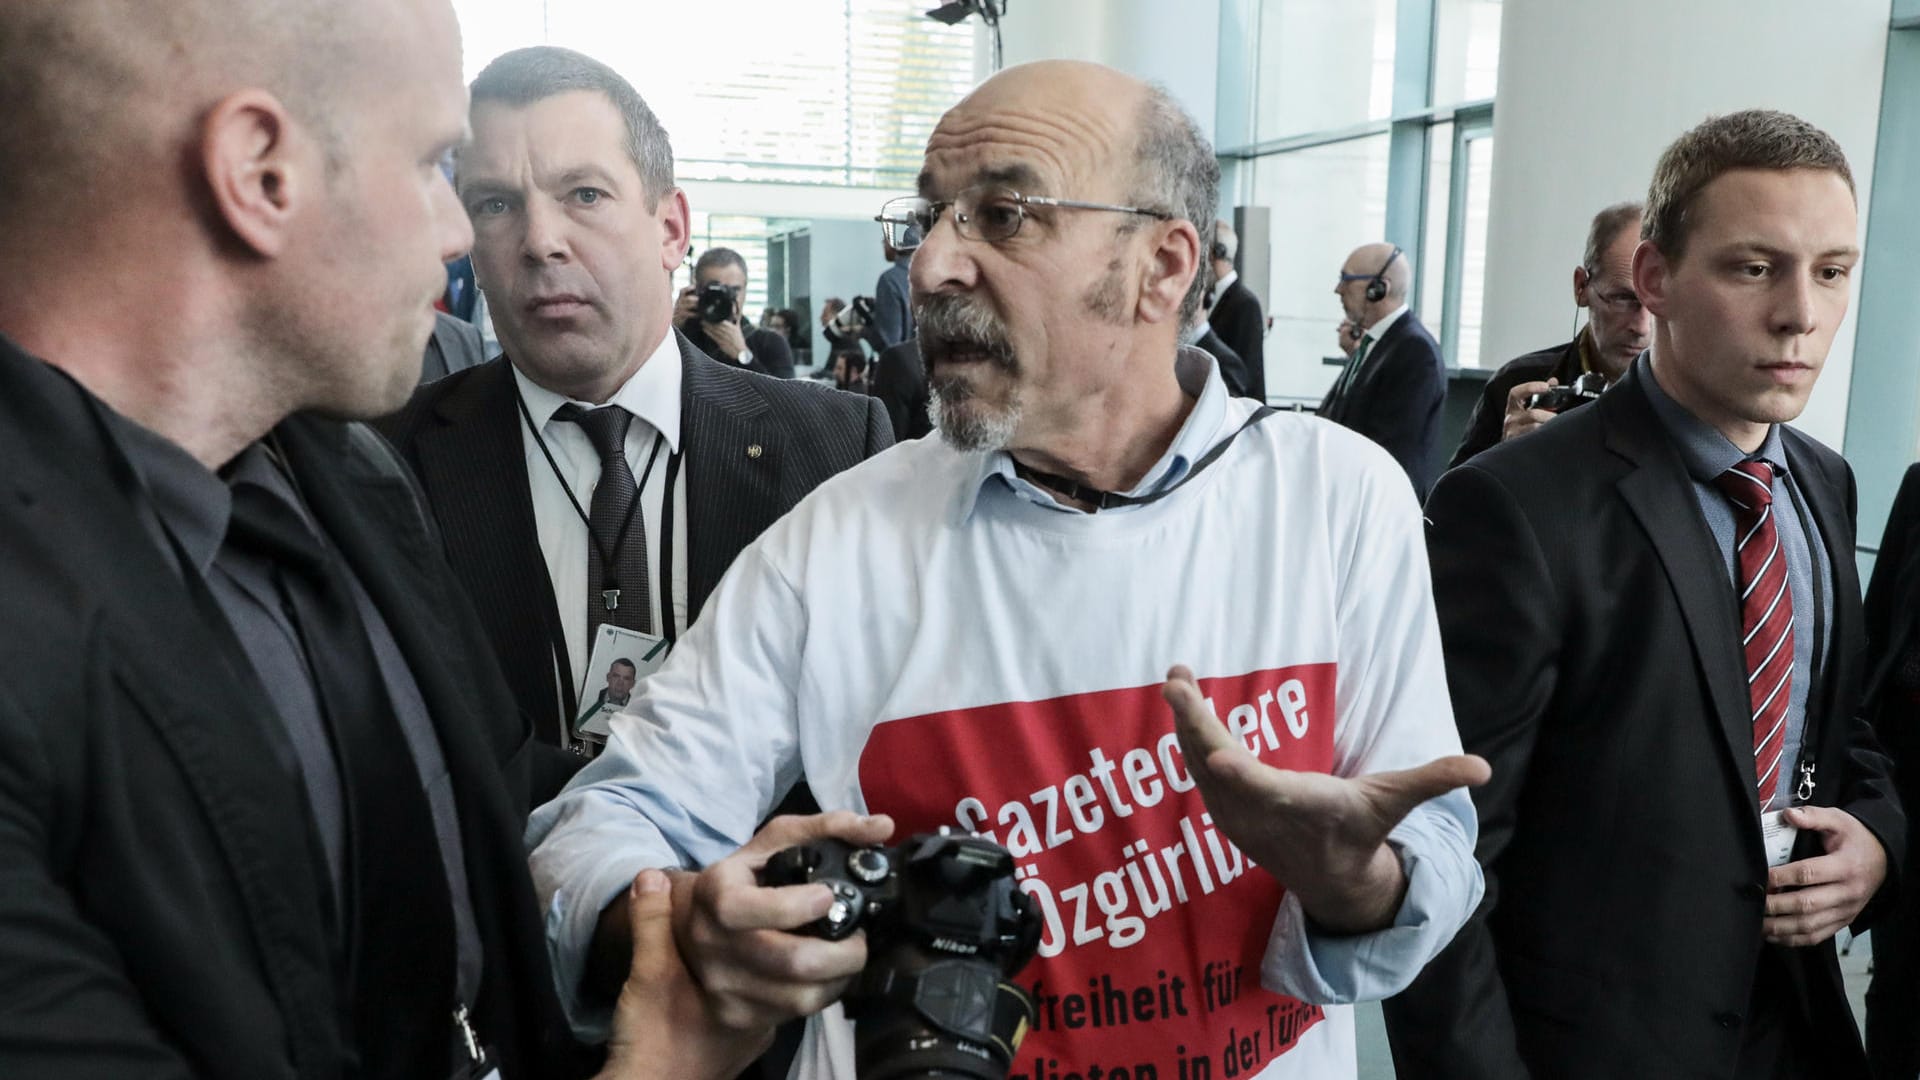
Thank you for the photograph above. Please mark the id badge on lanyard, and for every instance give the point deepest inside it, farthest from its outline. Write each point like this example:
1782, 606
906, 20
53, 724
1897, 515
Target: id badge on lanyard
474, 1059
621, 660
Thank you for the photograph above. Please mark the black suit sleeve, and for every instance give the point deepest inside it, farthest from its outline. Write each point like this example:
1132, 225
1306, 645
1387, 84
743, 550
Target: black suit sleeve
879, 427
770, 352
1493, 590
1486, 425
1883, 606
71, 1011
1867, 788
1242, 327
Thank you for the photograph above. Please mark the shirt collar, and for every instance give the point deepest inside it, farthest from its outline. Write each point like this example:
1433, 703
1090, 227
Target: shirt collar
652, 393
1379, 329
1199, 377
1705, 452
1220, 287
190, 501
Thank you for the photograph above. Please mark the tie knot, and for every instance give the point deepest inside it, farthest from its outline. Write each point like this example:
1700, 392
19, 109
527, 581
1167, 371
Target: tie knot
1748, 485
606, 427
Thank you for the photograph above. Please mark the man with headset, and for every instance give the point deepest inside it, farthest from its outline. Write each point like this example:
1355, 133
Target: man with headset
1392, 389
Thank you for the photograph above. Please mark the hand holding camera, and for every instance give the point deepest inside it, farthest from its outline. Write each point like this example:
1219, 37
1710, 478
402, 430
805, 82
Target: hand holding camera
1531, 404
713, 308
738, 938
946, 929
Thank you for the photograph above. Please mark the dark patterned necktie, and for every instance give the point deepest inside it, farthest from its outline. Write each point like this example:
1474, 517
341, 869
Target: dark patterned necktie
617, 548
1766, 615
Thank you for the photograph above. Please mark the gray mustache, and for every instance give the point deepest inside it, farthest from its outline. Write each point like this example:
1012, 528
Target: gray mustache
943, 323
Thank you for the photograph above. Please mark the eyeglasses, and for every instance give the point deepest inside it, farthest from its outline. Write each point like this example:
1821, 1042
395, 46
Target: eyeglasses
1620, 302
987, 213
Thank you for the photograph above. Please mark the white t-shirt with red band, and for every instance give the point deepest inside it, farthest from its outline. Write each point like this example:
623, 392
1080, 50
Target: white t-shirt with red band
929, 637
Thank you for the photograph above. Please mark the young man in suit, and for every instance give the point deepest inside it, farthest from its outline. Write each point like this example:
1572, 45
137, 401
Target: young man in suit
1615, 335
1653, 631
603, 470
1236, 316
1392, 389
261, 787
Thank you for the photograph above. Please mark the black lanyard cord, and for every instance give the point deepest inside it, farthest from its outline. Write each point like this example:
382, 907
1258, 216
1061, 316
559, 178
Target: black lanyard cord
609, 560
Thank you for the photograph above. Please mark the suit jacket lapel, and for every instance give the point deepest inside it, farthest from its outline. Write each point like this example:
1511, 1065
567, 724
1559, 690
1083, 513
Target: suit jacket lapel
193, 685
473, 464
1662, 499
732, 487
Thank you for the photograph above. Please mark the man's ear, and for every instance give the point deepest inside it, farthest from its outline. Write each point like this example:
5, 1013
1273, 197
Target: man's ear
1580, 279
1651, 274
676, 228
258, 168
1171, 265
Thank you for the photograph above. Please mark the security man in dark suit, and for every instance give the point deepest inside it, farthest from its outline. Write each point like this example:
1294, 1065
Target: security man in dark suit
1392, 389
1616, 333
1653, 632
261, 786
604, 471
1236, 316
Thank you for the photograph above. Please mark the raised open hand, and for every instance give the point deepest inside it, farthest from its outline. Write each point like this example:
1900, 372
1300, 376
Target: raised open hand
1323, 837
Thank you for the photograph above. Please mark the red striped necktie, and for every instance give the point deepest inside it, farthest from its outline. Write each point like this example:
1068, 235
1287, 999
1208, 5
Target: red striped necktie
1766, 615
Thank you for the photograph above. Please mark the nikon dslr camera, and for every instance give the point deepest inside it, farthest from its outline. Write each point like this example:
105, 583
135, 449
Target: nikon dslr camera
1559, 399
714, 303
947, 930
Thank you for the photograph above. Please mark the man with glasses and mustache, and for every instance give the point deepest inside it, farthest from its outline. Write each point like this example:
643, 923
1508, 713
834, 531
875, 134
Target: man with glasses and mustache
976, 631
1618, 330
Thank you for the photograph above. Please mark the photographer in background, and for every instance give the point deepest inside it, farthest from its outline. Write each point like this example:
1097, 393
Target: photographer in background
849, 326
892, 312
709, 314
1618, 329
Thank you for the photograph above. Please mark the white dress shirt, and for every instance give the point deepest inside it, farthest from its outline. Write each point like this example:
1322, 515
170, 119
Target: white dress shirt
652, 395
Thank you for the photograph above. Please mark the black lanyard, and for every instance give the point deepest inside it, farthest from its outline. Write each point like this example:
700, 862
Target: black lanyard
609, 560
557, 636
1107, 500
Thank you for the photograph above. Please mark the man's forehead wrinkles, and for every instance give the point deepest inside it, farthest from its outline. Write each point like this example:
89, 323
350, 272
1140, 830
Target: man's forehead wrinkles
1051, 143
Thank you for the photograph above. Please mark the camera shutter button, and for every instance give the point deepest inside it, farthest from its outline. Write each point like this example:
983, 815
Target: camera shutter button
868, 865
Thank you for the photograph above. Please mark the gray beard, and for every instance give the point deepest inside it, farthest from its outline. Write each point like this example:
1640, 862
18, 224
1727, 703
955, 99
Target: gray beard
970, 429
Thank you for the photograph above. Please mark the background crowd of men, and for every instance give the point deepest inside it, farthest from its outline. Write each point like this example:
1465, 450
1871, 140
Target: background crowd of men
1581, 765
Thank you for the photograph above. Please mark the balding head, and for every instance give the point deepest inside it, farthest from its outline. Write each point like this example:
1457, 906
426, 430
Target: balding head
1366, 261
100, 89
260, 169
1067, 324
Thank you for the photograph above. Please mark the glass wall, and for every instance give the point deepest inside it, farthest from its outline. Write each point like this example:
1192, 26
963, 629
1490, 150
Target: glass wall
1321, 198
1369, 120
843, 94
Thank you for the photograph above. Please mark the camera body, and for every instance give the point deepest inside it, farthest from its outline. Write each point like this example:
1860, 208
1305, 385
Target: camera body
946, 930
714, 303
1559, 399
854, 317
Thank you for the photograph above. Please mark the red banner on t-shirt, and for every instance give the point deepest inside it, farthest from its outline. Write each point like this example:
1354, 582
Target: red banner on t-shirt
1155, 924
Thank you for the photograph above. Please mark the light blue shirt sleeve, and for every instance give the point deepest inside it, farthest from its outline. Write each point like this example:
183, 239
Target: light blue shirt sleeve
721, 707
1435, 844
